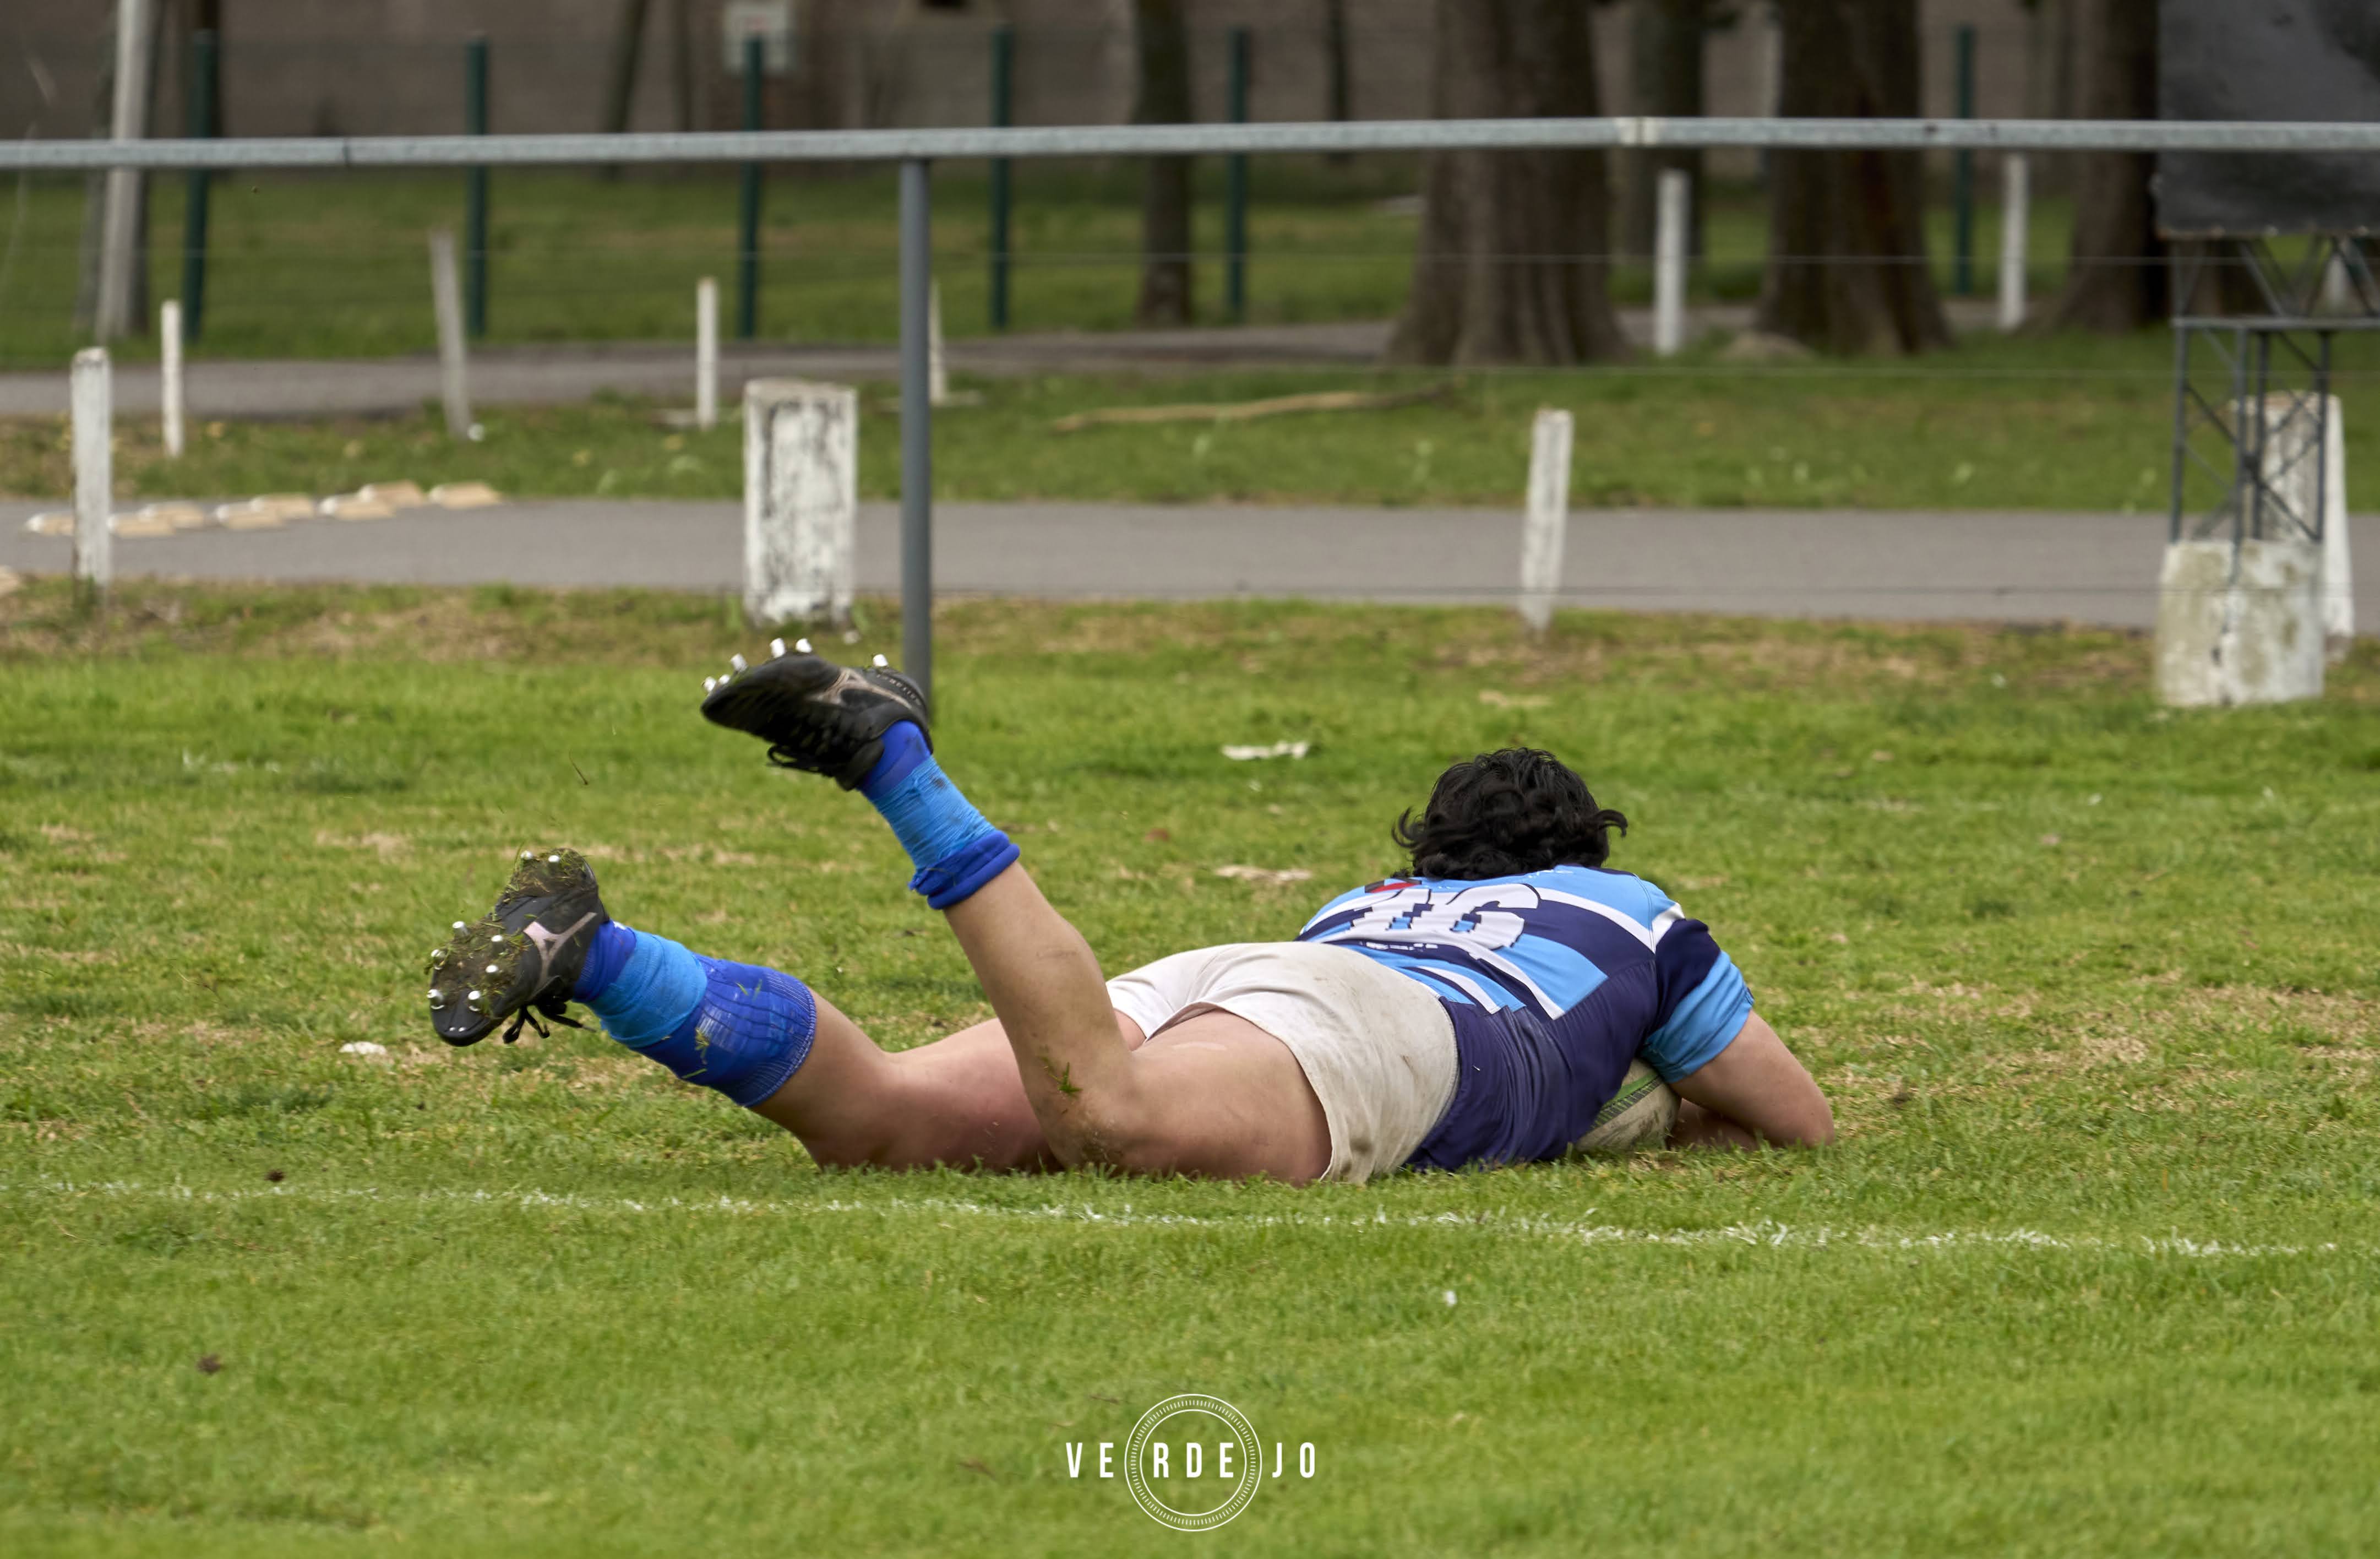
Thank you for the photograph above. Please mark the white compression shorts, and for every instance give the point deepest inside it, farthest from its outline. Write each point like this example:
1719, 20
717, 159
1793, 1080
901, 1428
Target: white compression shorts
1376, 1047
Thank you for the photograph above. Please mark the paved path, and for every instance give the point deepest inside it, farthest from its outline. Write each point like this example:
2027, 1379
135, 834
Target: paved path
551, 375
2019, 567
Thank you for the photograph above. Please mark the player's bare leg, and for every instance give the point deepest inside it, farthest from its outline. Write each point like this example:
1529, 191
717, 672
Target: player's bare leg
1213, 1096
756, 1035
957, 1102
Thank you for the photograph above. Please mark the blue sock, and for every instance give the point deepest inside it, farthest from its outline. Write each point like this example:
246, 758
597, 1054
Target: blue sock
739, 1029
613, 943
955, 851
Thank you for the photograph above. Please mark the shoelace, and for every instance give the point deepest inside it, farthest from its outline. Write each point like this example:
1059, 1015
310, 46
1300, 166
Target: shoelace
528, 1015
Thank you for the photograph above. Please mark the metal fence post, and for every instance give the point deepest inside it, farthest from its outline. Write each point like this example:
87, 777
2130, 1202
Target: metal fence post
200, 125
1235, 176
1003, 112
1962, 175
916, 428
475, 190
747, 240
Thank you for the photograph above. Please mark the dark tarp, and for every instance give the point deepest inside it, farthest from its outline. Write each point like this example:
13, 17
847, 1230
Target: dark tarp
2268, 60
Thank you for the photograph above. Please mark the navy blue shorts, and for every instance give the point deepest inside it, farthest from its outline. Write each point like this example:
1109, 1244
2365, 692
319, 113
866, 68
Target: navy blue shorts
1525, 1089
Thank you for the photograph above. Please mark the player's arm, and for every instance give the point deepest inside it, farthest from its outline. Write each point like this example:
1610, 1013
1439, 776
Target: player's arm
1752, 1093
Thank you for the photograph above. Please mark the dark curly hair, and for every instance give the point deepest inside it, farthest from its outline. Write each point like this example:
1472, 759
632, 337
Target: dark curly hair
1502, 813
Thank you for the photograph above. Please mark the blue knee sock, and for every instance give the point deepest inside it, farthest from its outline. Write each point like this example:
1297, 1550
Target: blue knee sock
736, 1028
955, 851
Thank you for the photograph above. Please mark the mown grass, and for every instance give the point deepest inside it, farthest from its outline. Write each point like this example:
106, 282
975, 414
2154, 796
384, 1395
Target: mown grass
2055, 423
2090, 984
316, 266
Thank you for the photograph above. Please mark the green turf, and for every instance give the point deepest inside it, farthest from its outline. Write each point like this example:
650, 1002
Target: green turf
2065, 423
2090, 985
313, 265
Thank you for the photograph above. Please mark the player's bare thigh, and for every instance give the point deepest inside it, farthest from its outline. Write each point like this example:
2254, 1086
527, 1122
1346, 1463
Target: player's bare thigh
1226, 1099
1223, 1099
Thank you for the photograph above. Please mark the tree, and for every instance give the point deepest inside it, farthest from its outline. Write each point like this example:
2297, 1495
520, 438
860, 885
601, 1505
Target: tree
620, 85
1665, 47
1338, 79
1161, 96
1511, 264
1847, 269
2120, 278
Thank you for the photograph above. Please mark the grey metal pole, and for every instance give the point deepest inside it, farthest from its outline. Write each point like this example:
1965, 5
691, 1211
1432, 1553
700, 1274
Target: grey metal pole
916, 430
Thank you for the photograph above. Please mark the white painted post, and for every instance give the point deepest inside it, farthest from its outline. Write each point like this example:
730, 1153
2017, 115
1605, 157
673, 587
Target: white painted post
1547, 518
1675, 200
93, 401
453, 365
938, 373
169, 374
2337, 568
801, 499
2337, 288
2016, 221
120, 216
706, 354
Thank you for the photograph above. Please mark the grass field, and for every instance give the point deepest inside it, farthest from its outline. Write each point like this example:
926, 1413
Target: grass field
2064, 423
2090, 986
314, 266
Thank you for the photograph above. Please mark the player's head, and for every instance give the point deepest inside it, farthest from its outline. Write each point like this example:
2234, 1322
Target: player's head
1503, 813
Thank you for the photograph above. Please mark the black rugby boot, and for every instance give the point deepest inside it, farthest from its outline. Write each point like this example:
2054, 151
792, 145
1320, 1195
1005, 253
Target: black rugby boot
814, 715
521, 958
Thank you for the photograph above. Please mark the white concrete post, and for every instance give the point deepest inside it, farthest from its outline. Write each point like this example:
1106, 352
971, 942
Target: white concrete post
938, 373
1674, 202
93, 401
120, 216
2337, 288
801, 499
453, 364
2289, 470
2016, 221
169, 374
1547, 518
2246, 624
2337, 568
706, 354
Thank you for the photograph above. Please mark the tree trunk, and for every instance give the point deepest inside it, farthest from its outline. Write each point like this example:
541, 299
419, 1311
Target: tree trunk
1161, 96
2121, 278
1510, 264
1847, 266
682, 60
94, 185
1338, 81
1665, 42
620, 91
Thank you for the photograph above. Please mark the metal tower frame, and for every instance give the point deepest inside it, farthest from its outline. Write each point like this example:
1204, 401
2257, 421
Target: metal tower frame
2224, 430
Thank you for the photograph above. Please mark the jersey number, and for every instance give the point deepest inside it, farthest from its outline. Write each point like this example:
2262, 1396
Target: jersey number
1477, 919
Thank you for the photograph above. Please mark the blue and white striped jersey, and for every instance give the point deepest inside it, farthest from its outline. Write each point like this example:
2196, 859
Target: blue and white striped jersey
1565, 976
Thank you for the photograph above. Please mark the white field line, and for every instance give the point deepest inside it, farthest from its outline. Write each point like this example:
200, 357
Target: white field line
1765, 1234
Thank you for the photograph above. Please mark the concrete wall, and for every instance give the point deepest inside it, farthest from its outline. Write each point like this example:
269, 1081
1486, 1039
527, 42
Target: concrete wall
390, 66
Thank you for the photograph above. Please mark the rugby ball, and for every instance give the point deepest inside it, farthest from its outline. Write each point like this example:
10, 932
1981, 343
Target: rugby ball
1639, 1115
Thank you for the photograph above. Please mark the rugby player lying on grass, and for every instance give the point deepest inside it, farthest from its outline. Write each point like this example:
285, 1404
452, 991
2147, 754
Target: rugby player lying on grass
1480, 1011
